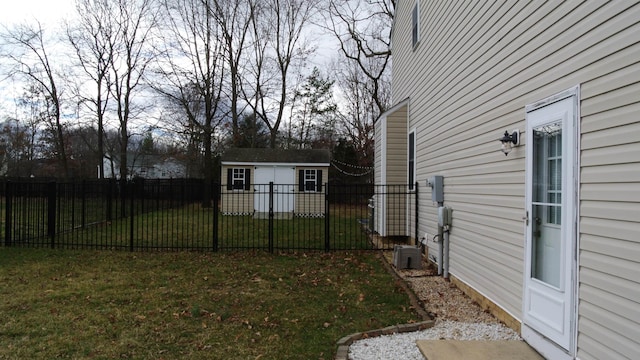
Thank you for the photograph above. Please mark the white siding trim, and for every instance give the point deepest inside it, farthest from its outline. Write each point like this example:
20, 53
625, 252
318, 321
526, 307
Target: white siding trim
393, 109
577, 171
415, 157
574, 91
383, 151
575, 214
548, 349
412, 189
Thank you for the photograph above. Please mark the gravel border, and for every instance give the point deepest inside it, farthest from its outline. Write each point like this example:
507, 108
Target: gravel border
458, 318
345, 343
403, 345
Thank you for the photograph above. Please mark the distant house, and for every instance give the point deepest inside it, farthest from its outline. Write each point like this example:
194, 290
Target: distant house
146, 166
298, 178
546, 237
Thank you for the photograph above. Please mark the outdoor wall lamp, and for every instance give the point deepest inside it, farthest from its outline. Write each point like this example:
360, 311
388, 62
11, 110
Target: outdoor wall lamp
508, 139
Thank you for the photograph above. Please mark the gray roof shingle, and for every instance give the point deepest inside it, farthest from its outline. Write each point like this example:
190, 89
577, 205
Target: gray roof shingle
310, 156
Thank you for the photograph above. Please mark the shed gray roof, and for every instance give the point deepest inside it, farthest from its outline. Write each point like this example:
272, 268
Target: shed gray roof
315, 156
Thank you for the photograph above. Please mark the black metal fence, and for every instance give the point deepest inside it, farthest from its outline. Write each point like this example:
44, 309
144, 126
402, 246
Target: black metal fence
175, 214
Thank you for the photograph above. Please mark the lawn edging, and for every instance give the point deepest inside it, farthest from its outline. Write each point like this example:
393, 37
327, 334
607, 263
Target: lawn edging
343, 344
342, 352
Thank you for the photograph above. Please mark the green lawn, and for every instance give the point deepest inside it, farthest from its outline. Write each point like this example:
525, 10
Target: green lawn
250, 305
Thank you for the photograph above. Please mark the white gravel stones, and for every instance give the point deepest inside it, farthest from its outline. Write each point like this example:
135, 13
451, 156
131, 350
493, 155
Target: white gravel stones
403, 346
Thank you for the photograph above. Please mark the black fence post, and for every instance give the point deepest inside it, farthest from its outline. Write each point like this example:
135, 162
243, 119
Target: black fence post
73, 202
130, 189
51, 212
271, 216
7, 213
108, 187
327, 203
216, 202
182, 188
83, 204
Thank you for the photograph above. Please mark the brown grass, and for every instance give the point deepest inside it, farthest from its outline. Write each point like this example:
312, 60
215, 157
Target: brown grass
91, 304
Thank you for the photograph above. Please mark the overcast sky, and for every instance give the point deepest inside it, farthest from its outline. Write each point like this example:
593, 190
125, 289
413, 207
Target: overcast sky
51, 13
46, 11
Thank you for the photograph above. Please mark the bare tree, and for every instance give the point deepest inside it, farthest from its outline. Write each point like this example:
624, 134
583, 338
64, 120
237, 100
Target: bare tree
27, 50
234, 19
133, 23
17, 148
279, 48
359, 108
192, 72
91, 38
363, 30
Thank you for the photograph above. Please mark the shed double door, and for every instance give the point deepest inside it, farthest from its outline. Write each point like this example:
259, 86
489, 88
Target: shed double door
283, 178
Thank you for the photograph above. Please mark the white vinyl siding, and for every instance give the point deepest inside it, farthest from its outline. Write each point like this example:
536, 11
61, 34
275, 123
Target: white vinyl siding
391, 169
391, 146
610, 247
478, 65
379, 154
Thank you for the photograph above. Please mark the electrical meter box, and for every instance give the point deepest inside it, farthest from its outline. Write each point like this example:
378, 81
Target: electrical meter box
407, 257
437, 188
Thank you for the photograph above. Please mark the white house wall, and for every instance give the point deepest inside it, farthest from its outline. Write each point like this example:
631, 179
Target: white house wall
391, 172
609, 325
476, 67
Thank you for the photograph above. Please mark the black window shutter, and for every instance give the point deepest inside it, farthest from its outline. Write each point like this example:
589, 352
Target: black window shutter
319, 180
247, 179
229, 179
301, 180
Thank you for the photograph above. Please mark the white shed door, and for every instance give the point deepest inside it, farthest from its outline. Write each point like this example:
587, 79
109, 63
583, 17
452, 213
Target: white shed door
283, 178
549, 286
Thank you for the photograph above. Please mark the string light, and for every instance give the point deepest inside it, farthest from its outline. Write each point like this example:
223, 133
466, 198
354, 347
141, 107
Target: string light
355, 166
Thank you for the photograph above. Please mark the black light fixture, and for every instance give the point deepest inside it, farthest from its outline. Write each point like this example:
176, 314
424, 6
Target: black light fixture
508, 139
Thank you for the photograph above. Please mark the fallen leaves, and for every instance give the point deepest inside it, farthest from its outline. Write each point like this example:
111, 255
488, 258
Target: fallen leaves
181, 304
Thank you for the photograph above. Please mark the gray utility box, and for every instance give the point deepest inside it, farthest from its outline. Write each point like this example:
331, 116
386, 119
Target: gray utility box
407, 257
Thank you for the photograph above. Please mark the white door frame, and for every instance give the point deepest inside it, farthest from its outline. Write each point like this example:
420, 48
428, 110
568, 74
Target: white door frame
557, 340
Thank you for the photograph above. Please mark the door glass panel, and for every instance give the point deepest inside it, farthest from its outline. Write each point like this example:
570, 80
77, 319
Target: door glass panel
547, 204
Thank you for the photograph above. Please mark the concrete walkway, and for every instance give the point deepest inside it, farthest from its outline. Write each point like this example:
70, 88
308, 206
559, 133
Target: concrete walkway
477, 350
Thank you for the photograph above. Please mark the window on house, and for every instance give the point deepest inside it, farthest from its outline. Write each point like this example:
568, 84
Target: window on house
238, 179
415, 26
310, 180
412, 160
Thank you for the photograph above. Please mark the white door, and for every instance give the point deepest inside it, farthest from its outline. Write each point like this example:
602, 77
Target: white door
283, 178
549, 286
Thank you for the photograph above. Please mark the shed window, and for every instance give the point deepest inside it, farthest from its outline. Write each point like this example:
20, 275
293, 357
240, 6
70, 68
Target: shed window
310, 180
238, 179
